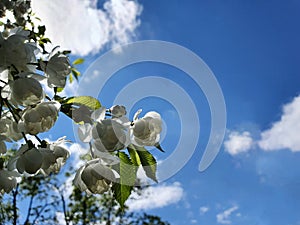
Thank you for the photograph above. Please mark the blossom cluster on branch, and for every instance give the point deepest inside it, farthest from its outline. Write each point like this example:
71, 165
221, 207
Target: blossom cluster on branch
117, 144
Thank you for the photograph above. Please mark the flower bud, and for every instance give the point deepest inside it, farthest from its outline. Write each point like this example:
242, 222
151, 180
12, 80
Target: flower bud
118, 110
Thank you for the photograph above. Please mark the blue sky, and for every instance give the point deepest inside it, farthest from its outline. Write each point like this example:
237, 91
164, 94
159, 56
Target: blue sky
253, 48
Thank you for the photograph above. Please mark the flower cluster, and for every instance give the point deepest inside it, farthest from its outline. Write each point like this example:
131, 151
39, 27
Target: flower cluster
109, 131
25, 107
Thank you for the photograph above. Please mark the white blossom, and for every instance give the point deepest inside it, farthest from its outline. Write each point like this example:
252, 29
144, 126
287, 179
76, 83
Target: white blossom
26, 91
109, 135
57, 69
3, 77
54, 157
29, 159
2, 146
85, 132
146, 131
8, 180
94, 178
9, 129
15, 51
39, 118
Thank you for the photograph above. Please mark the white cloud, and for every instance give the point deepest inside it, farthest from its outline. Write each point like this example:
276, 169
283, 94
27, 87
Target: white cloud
203, 210
238, 142
224, 217
156, 197
78, 25
284, 134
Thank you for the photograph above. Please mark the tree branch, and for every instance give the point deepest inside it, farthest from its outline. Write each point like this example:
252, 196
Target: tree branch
29, 210
64, 208
15, 209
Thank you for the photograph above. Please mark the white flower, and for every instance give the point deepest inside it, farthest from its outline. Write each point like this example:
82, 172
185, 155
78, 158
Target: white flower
85, 130
109, 135
9, 129
118, 111
94, 178
29, 159
3, 77
14, 51
8, 180
81, 114
39, 118
146, 131
57, 69
26, 91
2, 146
54, 157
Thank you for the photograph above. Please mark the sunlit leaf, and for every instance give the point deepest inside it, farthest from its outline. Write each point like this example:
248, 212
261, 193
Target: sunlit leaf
75, 72
87, 101
148, 162
135, 159
127, 171
78, 61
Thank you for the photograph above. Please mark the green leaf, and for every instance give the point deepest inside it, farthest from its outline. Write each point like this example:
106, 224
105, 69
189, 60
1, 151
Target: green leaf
127, 171
121, 193
75, 72
60, 89
42, 30
71, 78
87, 101
135, 159
157, 145
66, 52
148, 162
44, 41
78, 61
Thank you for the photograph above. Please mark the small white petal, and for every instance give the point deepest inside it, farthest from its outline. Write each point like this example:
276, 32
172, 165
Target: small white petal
99, 114
136, 115
85, 132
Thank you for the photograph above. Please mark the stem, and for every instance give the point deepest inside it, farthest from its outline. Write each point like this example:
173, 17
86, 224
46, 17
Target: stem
48, 98
2, 81
16, 69
15, 209
40, 212
1, 105
11, 109
64, 208
39, 140
29, 210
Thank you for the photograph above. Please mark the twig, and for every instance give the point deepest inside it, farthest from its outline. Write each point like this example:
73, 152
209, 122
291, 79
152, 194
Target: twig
15, 210
29, 210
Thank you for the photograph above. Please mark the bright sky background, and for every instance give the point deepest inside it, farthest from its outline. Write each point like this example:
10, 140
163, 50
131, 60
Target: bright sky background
253, 49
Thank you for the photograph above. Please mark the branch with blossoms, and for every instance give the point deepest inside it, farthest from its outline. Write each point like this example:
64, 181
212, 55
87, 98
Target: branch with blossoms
116, 144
